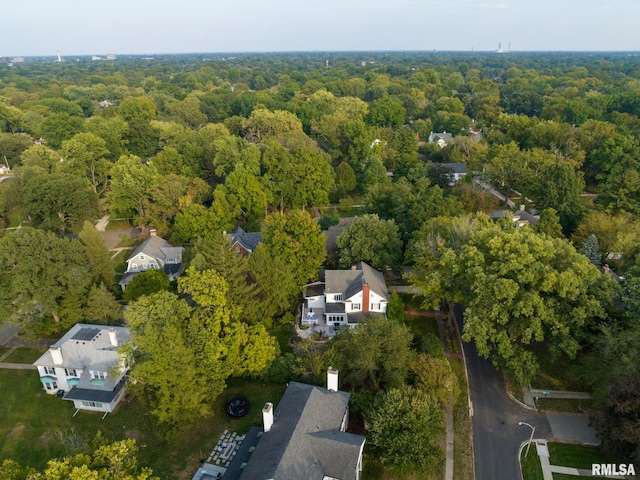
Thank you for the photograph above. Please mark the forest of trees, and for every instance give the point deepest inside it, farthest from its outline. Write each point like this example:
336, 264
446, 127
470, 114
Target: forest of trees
194, 147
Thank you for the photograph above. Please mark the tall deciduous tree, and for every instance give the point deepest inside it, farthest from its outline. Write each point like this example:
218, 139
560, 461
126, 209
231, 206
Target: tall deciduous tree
404, 426
295, 238
131, 182
97, 254
42, 277
519, 288
370, 239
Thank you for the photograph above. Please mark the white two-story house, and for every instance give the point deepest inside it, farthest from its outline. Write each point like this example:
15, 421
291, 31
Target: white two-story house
346, 297
154, 253
85, 367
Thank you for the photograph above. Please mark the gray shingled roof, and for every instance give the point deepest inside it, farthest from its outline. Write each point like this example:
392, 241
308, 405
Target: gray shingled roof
157, 247
456, 167
247, 240
305, 441
93, 395
350, 282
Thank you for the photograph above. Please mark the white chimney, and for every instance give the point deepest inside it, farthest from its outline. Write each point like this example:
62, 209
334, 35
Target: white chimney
56, 355
267, 416
332, 379
152, 232
113, 338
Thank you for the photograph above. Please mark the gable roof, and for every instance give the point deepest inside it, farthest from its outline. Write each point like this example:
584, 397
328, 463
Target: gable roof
158, 248
350, 282
456, 167
434, 137
305, 440
247, 240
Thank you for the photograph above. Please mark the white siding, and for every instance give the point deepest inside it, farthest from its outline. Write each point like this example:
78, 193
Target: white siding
377, 303
315, 302
143, 262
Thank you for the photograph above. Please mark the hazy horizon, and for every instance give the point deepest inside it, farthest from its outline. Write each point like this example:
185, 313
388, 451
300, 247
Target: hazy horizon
145, 27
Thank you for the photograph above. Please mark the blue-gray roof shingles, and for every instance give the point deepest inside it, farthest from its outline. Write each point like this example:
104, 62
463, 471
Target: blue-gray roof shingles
305, 441
247, 240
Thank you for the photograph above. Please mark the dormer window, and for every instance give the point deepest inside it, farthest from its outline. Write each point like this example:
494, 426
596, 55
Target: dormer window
141, 257
337, 297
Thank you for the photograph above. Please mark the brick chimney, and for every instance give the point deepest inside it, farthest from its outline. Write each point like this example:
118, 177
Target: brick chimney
366, 290
267, 416
332, 379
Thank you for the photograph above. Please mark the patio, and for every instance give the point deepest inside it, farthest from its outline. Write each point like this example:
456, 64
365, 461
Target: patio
314, 320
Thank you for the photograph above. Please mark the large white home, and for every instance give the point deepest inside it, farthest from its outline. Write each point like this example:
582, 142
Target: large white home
85, 367
154, 253
345, 297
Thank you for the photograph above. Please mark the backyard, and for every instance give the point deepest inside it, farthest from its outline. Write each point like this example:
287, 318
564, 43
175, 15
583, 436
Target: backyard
36, 427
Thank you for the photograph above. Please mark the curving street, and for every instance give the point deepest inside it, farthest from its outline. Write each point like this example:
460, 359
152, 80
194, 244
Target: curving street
496, 433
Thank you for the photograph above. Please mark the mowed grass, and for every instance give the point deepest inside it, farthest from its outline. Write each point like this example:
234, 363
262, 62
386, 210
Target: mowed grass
32, 424
25, 355
562, 454
530, 463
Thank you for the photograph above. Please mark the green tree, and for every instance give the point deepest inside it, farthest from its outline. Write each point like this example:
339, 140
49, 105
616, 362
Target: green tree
146, 283
520, 289
131, 182
404, 426
591, 249
42, 277
141, 137
433, 376
84, 156
376, 353
395, 308
40, 156
387, 111
58, 201
164, 364
98, 256
102, 306
295, 238
370, 239
549, 223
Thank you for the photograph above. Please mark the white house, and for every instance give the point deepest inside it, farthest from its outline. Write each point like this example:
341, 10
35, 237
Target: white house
345, 297
85, 367
154, 253
441, 139
453, 171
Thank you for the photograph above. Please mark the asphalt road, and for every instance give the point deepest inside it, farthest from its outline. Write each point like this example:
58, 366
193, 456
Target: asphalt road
496, 433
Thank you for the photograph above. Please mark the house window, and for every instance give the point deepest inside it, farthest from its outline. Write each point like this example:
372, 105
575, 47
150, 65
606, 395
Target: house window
49, 370
335, 318
51, 386
98, 375
141, 257
135, 266
92, 404
375, 306
70, 372
355, 306
337, 297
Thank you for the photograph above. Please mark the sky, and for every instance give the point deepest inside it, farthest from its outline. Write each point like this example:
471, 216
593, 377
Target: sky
98, 27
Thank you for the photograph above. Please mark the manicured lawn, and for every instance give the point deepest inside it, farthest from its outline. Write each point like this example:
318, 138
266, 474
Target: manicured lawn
531, 468
577, 456
120, 261
25, 355
32, 425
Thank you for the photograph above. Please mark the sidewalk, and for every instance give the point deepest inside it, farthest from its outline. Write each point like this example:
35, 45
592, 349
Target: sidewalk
449, 450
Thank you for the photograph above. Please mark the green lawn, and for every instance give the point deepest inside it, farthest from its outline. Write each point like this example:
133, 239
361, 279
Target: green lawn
283, 333
564, 405
423, 326
120, 261
563, 454
531, 468
33, 423
25, 355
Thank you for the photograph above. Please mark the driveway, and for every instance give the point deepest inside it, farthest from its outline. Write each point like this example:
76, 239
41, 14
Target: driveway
496, 433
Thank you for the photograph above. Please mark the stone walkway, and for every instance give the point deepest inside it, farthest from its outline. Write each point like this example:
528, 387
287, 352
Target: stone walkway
221, 456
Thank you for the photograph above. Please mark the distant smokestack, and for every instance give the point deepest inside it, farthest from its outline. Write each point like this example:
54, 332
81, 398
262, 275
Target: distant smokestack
113, 338
56, 355
332, 379
267, 416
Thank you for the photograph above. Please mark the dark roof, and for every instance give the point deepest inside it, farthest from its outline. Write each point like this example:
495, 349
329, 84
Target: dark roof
90, 395
171, 268
358, 317
314, 290
305, 441
85, 334
127, 277
247, 240
243, 455
454, 167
